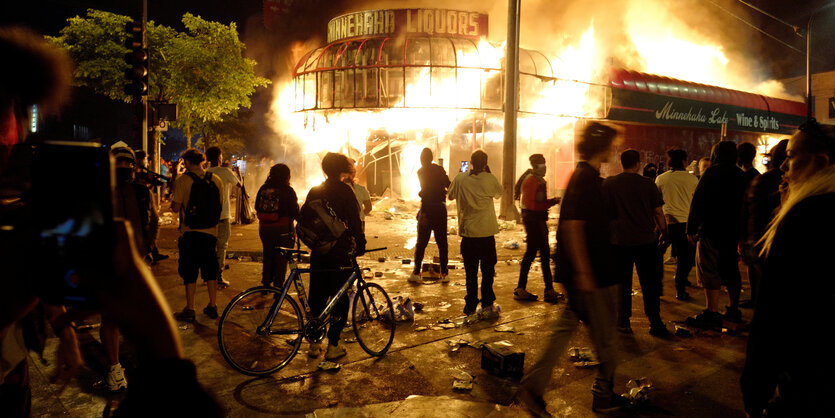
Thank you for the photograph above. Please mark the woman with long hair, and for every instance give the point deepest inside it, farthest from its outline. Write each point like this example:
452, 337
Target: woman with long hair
277, 208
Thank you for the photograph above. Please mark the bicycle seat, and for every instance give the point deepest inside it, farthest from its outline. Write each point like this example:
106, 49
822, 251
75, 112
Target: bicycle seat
290, 250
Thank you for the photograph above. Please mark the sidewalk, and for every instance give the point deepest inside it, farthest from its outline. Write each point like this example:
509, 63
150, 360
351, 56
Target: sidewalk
695, 376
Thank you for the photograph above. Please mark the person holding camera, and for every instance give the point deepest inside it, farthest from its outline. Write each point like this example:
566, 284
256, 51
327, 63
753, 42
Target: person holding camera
198, 198
474, 192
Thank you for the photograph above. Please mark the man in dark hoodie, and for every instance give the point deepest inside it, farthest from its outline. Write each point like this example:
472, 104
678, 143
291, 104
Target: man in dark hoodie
714, 221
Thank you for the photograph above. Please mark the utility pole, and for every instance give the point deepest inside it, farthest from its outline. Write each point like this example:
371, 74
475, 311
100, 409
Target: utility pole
508, 208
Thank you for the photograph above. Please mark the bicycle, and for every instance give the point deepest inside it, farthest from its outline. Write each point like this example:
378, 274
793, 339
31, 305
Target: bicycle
262, 328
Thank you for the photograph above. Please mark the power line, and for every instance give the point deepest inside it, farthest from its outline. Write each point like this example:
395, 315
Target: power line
797, 30
756, 28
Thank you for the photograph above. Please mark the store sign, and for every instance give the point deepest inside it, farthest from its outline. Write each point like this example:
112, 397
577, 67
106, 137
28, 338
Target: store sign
641, 107
427, 22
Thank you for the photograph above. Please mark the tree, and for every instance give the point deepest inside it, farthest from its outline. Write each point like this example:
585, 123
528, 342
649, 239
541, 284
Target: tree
202, 70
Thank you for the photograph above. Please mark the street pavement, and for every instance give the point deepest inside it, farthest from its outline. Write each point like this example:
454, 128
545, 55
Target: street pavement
691, 377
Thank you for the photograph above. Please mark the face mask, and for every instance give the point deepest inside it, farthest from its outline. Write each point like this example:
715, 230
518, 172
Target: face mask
124, 174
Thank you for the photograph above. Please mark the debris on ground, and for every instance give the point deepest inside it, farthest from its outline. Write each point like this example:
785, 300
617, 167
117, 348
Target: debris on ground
507, 225
503, 359
464, 381
404, 311
683, 332
511, 245
406, 261
350, 340
582, 357
418, 306
378, 274
638, 391
381, 259
504, 328
329, 365
419, 329
245, 258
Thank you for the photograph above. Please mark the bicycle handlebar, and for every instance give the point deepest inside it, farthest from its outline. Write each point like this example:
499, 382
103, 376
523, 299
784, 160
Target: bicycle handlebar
376, 249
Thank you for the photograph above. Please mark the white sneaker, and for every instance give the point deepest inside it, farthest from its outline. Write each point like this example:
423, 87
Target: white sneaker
314, 350
335, 352
116, 378
414, 278
444, 277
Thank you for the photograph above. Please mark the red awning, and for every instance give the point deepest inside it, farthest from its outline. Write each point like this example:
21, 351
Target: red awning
649, 83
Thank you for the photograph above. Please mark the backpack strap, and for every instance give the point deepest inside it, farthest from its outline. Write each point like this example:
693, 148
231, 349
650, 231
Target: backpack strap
193, 176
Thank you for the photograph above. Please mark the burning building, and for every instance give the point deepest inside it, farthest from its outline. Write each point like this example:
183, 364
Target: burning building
391, 82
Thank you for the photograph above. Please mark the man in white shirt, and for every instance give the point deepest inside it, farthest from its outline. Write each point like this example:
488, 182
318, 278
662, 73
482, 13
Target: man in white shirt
363, 197
474, 192
677, 187
214, 155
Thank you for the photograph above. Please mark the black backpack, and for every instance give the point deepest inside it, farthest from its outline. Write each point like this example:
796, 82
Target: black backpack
318, 227
204, 203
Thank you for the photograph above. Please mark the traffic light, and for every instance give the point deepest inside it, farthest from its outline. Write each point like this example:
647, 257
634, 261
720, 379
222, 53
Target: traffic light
137, 60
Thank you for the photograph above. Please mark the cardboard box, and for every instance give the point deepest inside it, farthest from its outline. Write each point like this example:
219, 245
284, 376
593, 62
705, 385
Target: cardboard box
430, 271
502, 359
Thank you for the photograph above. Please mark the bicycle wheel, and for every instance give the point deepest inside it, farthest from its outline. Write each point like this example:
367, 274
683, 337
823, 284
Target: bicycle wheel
373, 319
247, 344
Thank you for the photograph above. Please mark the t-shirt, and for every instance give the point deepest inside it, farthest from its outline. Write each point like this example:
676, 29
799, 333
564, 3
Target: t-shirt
677, 188
229, 179
583, 201
182, 191
433, 185
474, 194
362, 196
631, 200
716, 210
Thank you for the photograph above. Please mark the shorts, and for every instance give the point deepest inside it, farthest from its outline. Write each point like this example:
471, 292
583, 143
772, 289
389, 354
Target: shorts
717, 264
198, 254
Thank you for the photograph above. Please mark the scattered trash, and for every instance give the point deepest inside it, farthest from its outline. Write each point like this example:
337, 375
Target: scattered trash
378, 274
683, 332
447, 326
382, 259
366, 273
329, 365
245, 258
444, 306
453, 230
418, 306
388, 216
406, 261
182, 326
454, 345
350, 340
419, 329
582, 357
511, 245
430, 271
404, 311
507, 225
504, 328
247, 308
502, 359
638, 391
462, 384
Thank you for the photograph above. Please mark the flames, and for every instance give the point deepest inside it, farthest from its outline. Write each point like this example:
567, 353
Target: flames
432, 108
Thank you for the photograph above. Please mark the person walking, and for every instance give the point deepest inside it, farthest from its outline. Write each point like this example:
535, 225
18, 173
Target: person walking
714, 222
638, 231
198, 199
214, 156
325, 284
474, 192
677, 187
795, 301
535, 205
762, 201
582, 264
432, 216
276, 207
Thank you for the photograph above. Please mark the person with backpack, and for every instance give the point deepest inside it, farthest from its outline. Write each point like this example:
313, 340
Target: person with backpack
329, 224
197, 198
276, 206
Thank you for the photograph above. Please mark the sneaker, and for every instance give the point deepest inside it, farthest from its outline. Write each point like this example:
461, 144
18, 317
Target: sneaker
186, 315
116, 378
683, 296
314, 350
469, 309
534, 404
705, 320
522, 294
335, 352
671, 260
444, 277
210, 311
552, 296
659, 330
222, 284
608, 403
734, 315
490, 311
414, 278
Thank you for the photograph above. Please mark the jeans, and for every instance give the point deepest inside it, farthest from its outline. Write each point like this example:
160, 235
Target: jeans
536, 230
275, 264
323, 285
597, 310
481, 251
648, 261
432, 220
224, 230
685, 253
